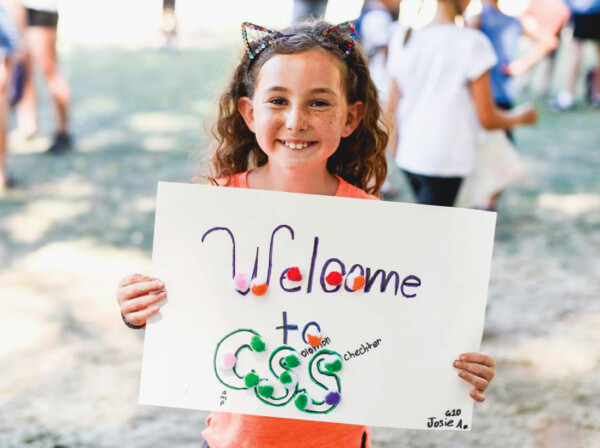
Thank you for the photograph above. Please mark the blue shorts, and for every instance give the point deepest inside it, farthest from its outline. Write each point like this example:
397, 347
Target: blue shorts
587, 26
9, 37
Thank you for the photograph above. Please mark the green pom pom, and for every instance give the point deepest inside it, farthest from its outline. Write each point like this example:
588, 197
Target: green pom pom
292, 361
251, 380
266, 390
286, 378
334, 366
257, 344
301, 401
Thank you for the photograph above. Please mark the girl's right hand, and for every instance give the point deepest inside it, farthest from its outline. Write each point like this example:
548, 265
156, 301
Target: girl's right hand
527, 113
138, 296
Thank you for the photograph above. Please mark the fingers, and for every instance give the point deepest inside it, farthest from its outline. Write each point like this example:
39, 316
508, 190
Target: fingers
477, 369
480, 383
140, 317
477, 395
138, 296
135, 278
138, 289
480, 358
143, 302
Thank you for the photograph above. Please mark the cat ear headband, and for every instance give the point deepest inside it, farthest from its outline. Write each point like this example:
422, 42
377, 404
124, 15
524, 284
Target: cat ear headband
263, 37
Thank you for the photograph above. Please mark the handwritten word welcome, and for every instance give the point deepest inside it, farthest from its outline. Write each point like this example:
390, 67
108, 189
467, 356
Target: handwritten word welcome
406, 286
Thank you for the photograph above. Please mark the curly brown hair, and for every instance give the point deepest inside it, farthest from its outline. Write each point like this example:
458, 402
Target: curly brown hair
360, 158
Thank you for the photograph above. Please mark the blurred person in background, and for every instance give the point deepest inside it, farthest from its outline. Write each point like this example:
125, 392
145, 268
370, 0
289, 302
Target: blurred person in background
40, 34
586, 21
308, 9
439, 96
543, 21
504, 32
169, 25
374, 29
9, 46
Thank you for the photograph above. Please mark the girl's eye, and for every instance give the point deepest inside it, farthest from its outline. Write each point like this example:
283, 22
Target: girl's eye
319, 103
277, 101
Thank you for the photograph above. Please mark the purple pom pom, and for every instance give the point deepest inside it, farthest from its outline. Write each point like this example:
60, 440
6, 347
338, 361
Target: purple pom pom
332, 398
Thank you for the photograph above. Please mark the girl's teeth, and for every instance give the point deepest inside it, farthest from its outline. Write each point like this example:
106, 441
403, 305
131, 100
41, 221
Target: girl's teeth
295, 145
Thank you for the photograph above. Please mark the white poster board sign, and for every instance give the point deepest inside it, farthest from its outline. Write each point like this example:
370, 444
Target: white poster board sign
375, 349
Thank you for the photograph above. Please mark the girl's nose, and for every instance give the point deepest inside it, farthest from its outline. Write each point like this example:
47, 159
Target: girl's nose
296, 119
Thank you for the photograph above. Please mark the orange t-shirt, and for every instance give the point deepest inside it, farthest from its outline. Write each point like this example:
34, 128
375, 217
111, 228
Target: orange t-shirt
225, 430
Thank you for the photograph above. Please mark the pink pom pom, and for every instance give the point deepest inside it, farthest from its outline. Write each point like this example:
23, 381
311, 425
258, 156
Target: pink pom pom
241, 282
227, 361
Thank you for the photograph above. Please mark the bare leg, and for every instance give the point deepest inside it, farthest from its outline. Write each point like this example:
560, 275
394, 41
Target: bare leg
42, 42
565, 99
169, 26
575, 62
27, 116
596, 88
548, 75
4, 110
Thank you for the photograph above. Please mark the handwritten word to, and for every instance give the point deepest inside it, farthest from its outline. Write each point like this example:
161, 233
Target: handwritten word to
362, 350
406, 285
447, 421
292, 327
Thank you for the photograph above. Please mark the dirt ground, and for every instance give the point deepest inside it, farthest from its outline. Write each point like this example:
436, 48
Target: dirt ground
75, 224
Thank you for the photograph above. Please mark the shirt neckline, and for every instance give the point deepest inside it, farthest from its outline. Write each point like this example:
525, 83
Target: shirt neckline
338, 192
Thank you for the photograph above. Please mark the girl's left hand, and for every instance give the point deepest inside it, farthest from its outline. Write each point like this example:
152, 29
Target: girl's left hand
477, 369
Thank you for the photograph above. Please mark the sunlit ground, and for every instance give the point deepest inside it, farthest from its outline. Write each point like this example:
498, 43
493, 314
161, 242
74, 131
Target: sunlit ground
69, 369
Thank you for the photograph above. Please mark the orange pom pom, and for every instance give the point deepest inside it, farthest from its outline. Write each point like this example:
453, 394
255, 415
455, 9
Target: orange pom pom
259, 290
358, 283
314, 340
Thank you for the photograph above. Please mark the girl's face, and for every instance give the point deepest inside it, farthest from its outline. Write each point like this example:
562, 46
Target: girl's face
299, 112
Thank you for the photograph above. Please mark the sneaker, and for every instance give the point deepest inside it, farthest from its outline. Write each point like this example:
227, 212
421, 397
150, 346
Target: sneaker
61, 144
564, 101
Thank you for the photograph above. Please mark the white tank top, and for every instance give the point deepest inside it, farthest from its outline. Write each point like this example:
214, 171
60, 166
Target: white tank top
41, 5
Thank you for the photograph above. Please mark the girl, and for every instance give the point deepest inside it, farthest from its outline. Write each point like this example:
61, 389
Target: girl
41, 33
303, 114
504, 32
440, 86
586, 26
374, 28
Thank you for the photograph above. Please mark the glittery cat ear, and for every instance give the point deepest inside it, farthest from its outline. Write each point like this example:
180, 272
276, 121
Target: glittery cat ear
257, 38
344, 27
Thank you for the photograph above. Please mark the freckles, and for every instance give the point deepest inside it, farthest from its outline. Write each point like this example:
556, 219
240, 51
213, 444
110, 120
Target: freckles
327, 119
271, 121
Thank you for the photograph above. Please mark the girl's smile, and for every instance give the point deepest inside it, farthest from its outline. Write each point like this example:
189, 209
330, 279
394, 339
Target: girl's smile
296, 144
